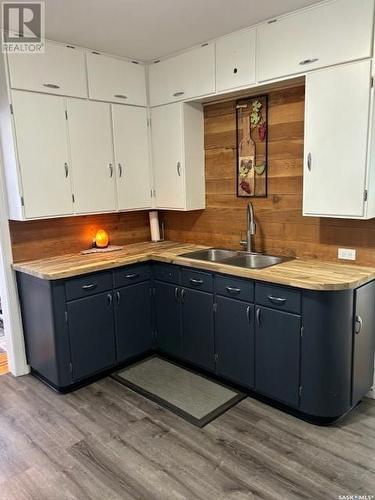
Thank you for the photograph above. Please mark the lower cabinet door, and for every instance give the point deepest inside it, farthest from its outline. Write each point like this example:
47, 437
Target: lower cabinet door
277, 355
198, 328
234, 340
168, 318
133, 320
92, 334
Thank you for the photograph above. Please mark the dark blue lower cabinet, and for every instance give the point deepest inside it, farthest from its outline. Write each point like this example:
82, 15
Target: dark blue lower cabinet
277, 355
234, 340
91, 334
133, 320
198, 328
168, 318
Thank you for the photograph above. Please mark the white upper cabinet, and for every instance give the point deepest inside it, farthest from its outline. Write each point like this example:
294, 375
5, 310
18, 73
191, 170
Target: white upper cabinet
91, 146
130, 134
235, 60
187, 75
178, 156
42, 147
325, 35
59, 70
113, 79
336, 138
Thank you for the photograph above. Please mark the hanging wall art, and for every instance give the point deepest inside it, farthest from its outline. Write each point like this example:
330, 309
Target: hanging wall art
251, 116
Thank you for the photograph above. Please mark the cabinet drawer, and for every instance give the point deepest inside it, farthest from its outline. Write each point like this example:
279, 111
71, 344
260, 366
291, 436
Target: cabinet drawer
88, 285
198, 280
278, 298
131, 275
168, 273
235, 288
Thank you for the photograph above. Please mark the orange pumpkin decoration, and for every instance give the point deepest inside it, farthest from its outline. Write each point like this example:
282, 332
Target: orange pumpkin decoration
101, 239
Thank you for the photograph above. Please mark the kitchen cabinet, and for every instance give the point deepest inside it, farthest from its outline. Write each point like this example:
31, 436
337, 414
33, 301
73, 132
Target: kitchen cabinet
277, 355
335, 142
133, 320
168, 318
91, 146
234, 340
59, 70
184, 76
198, 328
235, 60
315, 38
178, 156
132, 162
43, 156
91, 334
113, 79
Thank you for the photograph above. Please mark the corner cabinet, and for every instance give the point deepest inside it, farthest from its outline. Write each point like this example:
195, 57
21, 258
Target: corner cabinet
178, 156
336, 163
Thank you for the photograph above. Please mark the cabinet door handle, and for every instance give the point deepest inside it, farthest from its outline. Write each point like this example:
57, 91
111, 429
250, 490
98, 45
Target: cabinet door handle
309, 162
232, 289
177, 94
176, 291
51, 85
109, 299
358, 324
120, 96
132, 276
90, 286
183, 295
276, 300
119, 170
110, 166
178, 167
248, 314
66, 167
258, 316
196, 282
118, 297
308, 61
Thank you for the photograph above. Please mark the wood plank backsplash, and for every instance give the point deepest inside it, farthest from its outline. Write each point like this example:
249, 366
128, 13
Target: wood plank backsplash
51, 237
281, 228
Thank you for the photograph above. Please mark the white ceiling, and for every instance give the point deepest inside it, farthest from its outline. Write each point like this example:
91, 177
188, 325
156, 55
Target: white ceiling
147, 29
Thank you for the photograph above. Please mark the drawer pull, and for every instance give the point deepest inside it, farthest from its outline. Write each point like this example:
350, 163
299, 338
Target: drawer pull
110, 166
358, 324
109, 299
119, 170
51, 85
308, 61
66, 167
132, 276
248, 314
91, 286
120, 96
309, 162
118, 297
276, 300
178, 168
176, 291
196, 282
177, 94
183, 295
232, 289
258, 316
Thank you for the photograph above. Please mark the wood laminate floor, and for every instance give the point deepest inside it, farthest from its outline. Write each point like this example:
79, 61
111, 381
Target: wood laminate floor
106, 442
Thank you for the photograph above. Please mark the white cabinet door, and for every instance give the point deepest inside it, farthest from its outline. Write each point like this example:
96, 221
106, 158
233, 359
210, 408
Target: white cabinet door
42, 147
325, 35
187, 75
167, 156
235, 60
336, 130
115, 80
90, 134
130, 134
59, 70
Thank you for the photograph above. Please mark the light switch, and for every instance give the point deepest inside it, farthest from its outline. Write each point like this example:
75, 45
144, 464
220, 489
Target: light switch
347, 253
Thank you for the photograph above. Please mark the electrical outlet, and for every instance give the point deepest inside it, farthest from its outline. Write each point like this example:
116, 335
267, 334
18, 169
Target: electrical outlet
347, 253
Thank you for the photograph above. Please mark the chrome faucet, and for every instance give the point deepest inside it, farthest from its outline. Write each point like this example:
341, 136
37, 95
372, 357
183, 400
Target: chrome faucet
251, 228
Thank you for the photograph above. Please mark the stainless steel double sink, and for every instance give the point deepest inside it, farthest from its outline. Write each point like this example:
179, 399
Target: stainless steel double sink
235, 258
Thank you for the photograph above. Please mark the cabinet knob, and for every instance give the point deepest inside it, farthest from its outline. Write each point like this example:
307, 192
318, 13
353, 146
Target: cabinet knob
309, 61
235, 70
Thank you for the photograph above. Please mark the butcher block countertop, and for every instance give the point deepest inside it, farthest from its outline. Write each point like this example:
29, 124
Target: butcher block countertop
300, 273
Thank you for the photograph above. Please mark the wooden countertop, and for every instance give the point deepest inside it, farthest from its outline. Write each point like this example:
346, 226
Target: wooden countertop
300, 273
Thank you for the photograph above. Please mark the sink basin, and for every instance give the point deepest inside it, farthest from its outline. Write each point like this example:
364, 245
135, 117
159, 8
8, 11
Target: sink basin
212, 254
254, 260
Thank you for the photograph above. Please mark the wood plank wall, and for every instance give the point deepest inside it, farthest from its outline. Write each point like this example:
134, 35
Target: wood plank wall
50, 237
281, 229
